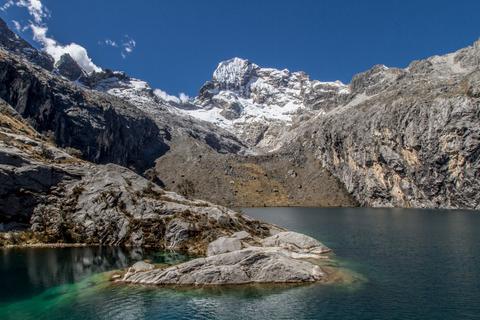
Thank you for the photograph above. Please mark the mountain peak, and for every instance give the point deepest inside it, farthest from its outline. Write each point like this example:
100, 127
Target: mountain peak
235, 73
69, 68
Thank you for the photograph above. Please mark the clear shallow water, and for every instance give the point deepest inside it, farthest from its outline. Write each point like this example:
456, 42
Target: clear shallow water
419, 264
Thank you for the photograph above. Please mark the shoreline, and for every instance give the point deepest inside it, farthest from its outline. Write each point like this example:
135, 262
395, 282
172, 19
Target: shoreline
49, 245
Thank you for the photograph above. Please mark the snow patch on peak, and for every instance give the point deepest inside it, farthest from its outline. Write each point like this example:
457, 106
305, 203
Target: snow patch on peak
234, 73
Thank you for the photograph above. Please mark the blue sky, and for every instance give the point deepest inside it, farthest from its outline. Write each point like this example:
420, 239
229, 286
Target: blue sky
179, 43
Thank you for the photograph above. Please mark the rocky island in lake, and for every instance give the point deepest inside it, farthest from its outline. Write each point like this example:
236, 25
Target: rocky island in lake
285, 257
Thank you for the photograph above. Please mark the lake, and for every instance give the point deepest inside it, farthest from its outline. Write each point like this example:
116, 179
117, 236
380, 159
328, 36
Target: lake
414, 264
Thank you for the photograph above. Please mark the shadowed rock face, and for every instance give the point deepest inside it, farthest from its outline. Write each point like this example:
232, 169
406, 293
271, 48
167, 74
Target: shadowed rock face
103, 128
12, 42
69, 68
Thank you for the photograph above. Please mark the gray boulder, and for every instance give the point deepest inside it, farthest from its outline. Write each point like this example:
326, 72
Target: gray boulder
295, 242
223, 245
141, 266
241, 235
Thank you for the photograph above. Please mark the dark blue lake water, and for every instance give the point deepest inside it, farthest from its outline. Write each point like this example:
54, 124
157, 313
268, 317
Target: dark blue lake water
417, 264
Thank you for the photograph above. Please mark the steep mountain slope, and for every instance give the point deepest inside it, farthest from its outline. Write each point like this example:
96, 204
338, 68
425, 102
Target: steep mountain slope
407, 137
106, 115
394, 137
277, 179
104, 128
164, 112
13, 43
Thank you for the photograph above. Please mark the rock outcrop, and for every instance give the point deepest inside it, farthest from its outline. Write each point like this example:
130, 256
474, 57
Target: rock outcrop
112, 205
69, 68
251, 265
296, 242
285, 257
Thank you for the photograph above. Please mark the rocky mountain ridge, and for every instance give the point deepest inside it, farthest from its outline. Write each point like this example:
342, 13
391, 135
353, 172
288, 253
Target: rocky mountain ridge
10, 41
261, 136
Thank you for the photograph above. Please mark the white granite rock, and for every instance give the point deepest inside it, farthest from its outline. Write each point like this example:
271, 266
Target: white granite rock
295, 242
223, 245
250, 265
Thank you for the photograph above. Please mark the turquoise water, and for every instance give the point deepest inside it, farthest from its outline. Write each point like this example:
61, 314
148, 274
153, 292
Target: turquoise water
416, 264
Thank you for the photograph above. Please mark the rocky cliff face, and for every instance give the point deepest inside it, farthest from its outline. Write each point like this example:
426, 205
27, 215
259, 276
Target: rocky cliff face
13, 43
69, 68
103, 128
407, 137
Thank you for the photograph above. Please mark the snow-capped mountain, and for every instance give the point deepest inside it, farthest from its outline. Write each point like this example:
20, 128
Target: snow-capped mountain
255, 103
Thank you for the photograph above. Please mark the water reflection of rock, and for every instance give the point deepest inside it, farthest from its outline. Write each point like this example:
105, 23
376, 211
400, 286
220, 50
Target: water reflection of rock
52, 266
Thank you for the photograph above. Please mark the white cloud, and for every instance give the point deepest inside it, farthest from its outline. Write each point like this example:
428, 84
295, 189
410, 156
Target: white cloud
110, 43
35, 8
56, 50
183, 97
17, 25
127, 46
165, 96
39, 28
7, 5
